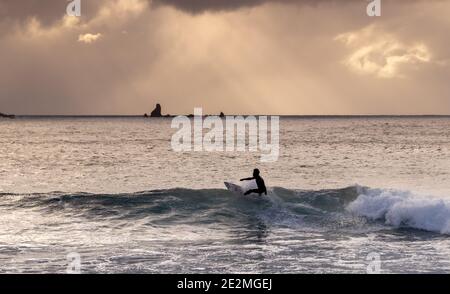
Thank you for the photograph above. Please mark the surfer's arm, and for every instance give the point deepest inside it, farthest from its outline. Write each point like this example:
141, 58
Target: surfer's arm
247, 179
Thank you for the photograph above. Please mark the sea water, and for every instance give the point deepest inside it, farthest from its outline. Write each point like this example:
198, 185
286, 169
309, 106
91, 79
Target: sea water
344, 192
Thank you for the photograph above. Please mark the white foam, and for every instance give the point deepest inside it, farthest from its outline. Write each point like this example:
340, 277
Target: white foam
403, 209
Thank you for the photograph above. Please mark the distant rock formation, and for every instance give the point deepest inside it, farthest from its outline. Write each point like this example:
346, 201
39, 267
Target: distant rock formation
7, 115
157, 111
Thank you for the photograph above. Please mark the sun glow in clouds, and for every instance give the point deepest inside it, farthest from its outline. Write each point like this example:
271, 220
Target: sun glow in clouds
230, 56
89, 38
381, 54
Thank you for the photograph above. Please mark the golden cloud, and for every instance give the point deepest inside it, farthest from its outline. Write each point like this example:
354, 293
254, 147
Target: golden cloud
89, 38
381, 54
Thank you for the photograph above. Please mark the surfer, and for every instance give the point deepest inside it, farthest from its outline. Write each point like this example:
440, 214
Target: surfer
259, 182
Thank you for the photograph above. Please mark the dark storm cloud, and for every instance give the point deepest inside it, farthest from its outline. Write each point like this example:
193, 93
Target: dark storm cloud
46, 11
198, 6
49, 11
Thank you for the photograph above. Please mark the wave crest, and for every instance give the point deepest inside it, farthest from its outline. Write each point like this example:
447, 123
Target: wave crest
403, 209
356, 207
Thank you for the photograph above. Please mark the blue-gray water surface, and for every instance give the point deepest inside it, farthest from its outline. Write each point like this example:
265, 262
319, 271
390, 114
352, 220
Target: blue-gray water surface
345, 193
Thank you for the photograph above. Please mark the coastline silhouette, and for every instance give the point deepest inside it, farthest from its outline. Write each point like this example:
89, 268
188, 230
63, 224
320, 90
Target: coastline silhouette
157, 112
7, 115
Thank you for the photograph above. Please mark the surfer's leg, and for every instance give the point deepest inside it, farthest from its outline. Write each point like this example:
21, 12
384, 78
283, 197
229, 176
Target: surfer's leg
251, 191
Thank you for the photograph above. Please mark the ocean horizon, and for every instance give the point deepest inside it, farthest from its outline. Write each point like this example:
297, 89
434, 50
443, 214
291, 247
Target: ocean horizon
280, 115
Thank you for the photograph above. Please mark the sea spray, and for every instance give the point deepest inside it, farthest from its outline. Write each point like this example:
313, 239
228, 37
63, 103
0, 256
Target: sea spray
403, 209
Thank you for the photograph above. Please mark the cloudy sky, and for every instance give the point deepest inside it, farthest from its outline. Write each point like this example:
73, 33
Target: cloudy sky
236, 56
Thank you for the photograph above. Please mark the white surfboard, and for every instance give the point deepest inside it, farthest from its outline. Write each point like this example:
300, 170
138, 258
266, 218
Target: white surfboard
235, 189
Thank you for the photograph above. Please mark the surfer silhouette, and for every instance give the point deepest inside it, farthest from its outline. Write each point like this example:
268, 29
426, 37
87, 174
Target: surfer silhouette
259, 182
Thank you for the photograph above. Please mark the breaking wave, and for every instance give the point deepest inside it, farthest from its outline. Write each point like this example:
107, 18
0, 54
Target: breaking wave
403, 209
353, 207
